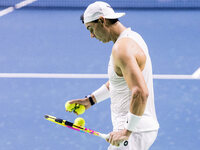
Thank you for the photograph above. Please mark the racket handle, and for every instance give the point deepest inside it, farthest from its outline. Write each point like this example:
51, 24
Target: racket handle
106, 136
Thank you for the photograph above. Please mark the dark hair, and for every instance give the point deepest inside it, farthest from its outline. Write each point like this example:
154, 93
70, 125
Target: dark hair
111, 21
82, 18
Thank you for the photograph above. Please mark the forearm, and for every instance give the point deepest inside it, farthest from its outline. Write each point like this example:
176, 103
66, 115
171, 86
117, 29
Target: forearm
138, 103
137, 107
101, 94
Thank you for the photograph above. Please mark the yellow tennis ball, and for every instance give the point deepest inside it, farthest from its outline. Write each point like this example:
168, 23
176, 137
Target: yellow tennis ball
69, 107
79, 122
79, 109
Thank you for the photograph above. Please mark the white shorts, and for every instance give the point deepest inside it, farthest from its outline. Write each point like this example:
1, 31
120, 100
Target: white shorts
138, 141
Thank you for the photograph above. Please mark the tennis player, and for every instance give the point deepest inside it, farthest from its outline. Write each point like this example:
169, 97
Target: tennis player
130, 84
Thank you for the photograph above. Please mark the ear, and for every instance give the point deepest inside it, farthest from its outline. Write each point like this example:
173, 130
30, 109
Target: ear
101, 20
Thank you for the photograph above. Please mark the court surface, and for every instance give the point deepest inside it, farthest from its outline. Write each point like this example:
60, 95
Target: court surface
55, 41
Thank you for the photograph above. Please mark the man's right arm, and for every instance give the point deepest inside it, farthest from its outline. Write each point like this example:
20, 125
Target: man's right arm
97, 96
107, 86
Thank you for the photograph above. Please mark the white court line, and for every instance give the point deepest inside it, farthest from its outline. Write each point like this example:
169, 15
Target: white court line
6, 11
17, 6
50, 75
196, 74
24, 3
172, 76
84, 76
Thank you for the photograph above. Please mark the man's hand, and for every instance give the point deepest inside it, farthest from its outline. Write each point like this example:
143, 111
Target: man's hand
84, 101
117, 137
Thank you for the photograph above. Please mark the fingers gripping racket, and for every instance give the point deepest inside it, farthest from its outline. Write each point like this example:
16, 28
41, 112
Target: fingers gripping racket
78, 128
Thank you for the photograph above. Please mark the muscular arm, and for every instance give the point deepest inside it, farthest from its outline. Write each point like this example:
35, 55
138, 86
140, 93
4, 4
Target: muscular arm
128, 57
129, 61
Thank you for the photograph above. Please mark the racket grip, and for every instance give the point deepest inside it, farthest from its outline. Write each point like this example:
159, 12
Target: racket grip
106, 136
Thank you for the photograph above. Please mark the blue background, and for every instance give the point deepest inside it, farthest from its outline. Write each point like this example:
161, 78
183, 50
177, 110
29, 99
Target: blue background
113, 3
55, 41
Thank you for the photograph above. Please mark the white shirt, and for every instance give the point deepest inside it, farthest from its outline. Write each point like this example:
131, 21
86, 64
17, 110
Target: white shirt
120, 94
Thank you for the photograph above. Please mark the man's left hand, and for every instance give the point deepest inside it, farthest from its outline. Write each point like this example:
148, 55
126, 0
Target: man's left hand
117, 137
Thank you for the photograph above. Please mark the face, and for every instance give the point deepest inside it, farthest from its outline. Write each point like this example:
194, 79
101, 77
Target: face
99, 31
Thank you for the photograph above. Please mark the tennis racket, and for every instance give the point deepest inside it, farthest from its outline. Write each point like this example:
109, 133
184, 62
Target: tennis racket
78, 128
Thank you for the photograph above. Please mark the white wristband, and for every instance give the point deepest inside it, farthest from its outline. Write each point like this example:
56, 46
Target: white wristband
132, 121
101, 94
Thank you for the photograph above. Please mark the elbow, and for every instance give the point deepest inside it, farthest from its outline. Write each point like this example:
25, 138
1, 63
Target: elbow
140, 93
146, 94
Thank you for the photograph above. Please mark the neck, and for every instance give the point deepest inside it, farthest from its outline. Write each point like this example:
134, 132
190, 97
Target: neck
116, 30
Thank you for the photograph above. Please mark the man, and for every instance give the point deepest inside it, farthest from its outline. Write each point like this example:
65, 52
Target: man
130, 84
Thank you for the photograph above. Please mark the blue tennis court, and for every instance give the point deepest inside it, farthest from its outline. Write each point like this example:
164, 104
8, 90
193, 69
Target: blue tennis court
54, 41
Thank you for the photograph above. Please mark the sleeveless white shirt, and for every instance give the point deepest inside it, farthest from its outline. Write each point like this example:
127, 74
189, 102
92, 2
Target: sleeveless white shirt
120, 94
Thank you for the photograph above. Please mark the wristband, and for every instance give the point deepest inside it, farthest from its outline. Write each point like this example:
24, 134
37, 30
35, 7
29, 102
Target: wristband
91, 100
101, 94
132, 121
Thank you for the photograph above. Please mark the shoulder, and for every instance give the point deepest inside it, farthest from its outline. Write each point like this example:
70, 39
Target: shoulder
127, 49
122, 46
